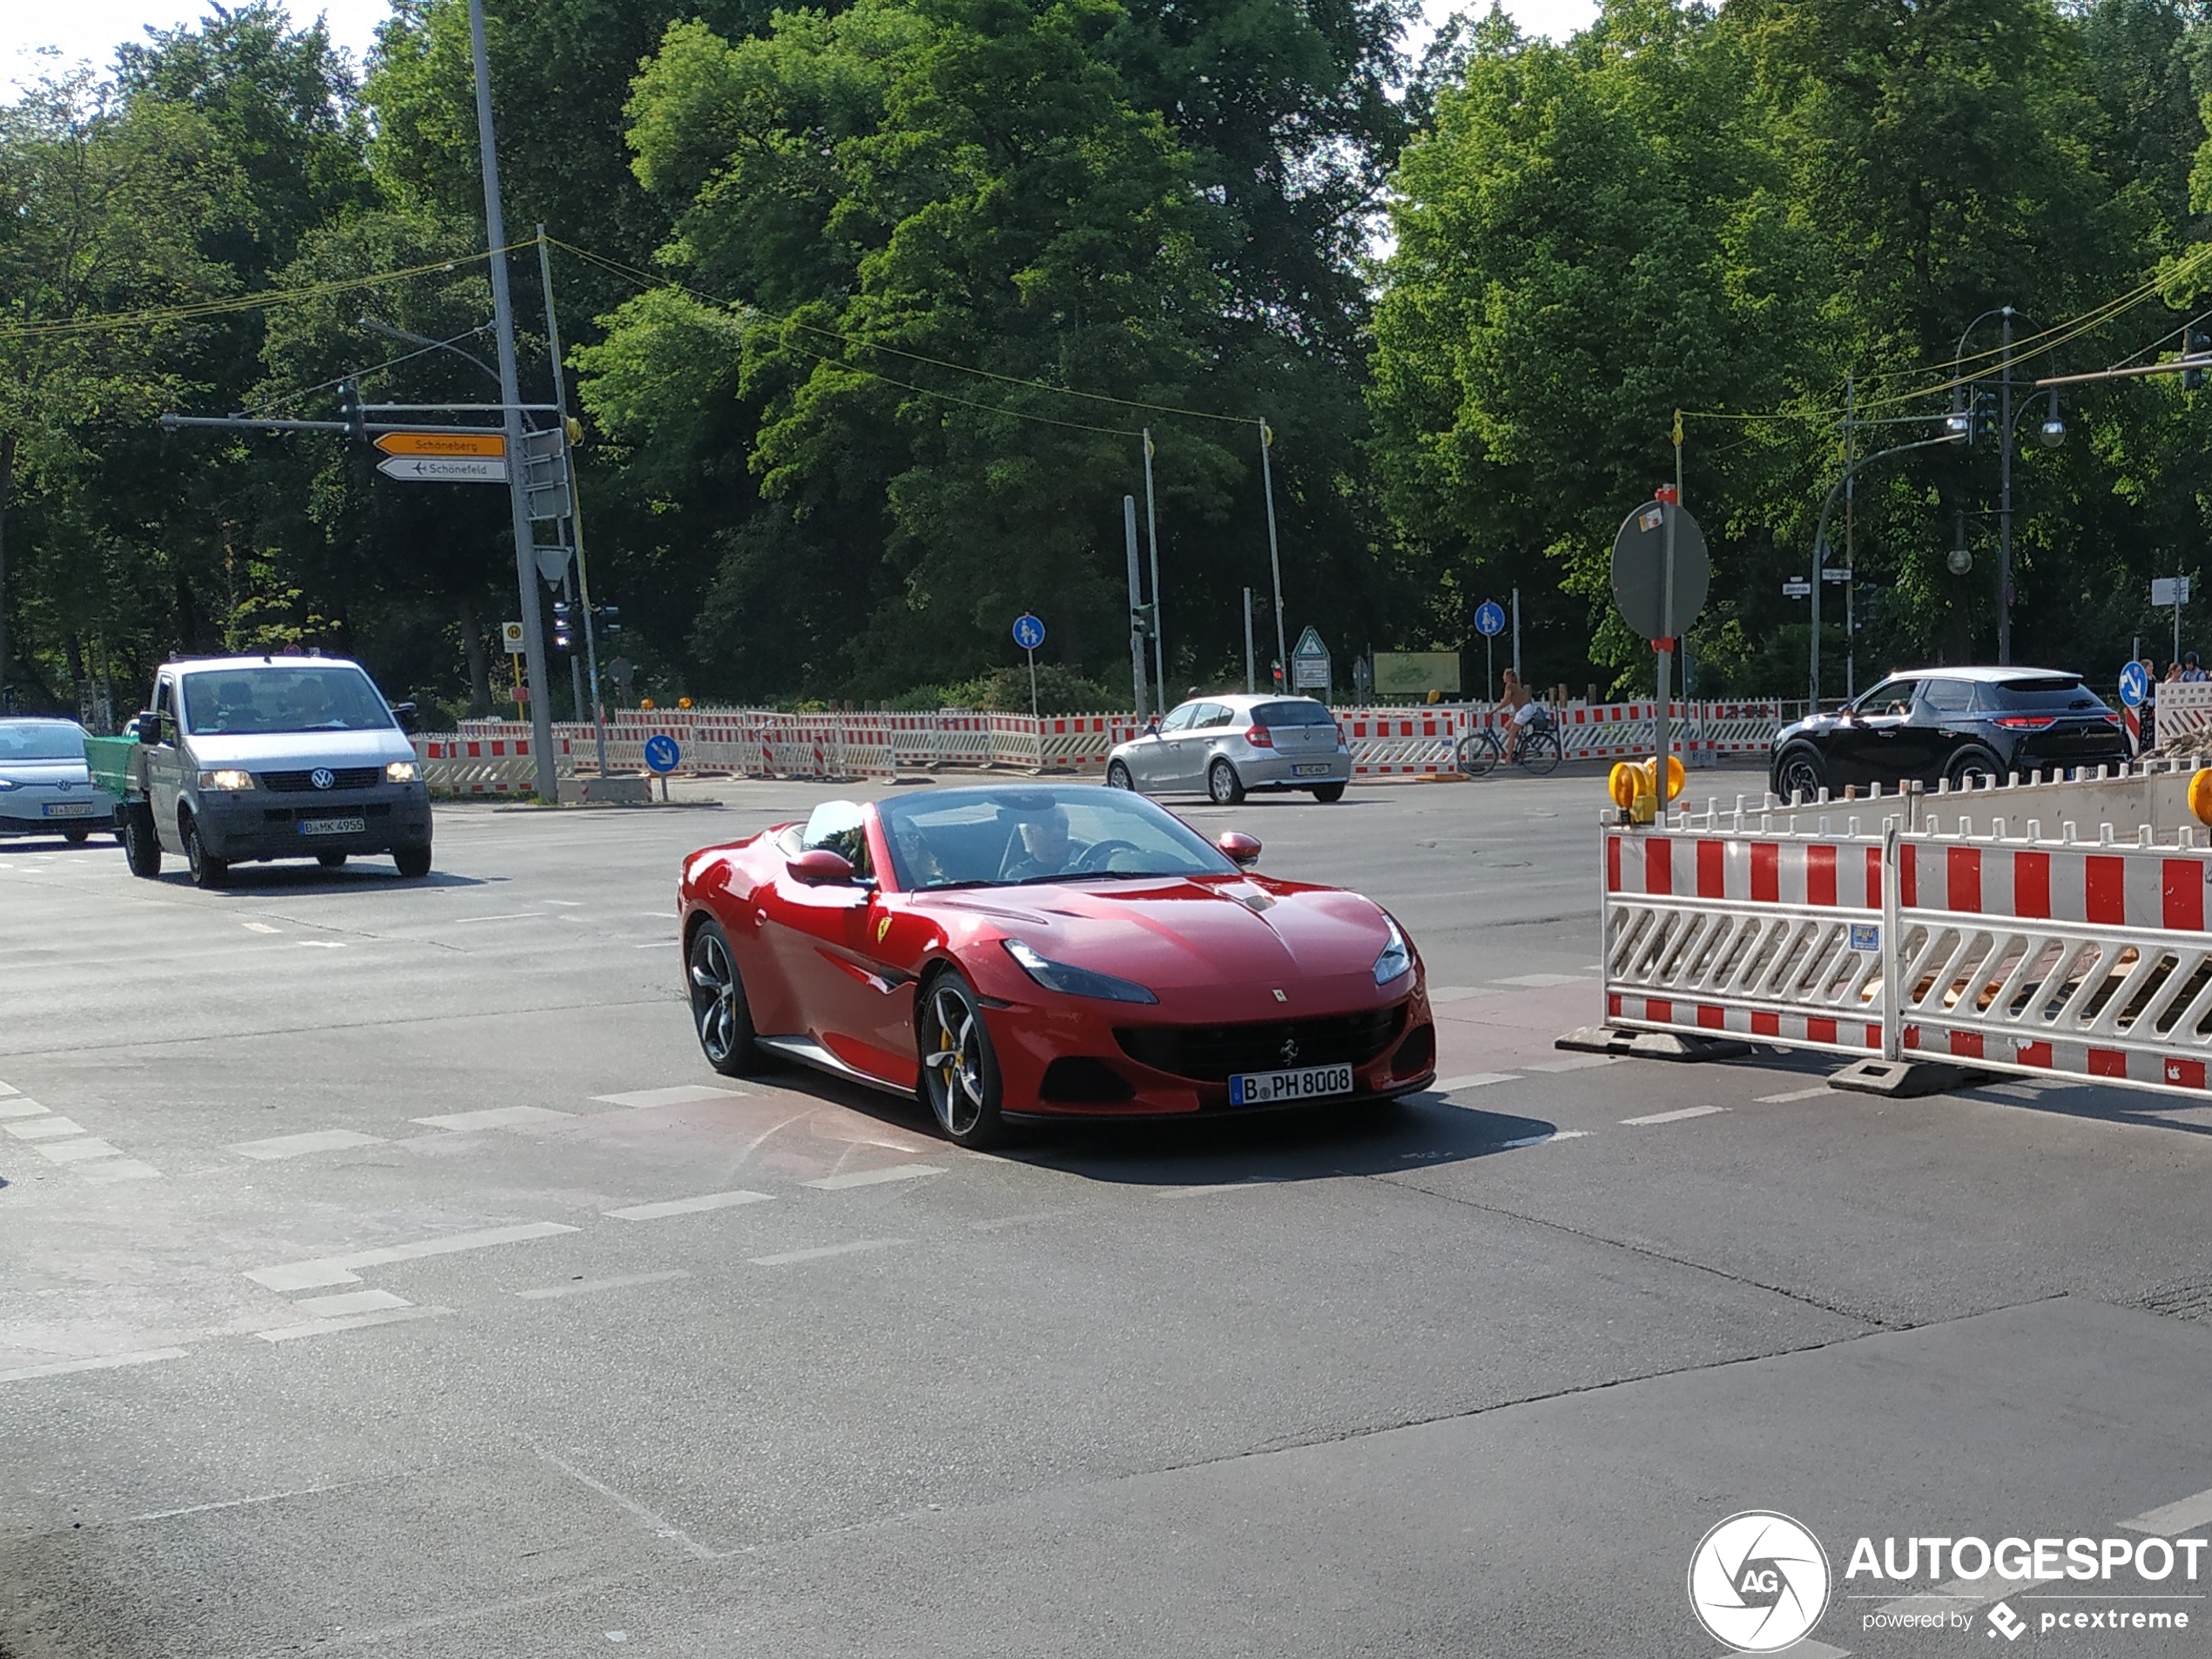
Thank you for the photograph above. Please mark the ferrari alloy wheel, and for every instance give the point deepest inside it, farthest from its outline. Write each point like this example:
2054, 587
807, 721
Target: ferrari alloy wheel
1223, 784
719, 1007
960, 1074
1117, 777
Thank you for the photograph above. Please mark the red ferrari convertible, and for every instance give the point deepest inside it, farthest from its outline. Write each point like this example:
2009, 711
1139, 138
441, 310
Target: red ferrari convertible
1046, 951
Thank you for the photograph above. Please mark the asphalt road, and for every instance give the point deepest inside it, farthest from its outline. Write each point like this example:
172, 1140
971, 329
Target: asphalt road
381, 1267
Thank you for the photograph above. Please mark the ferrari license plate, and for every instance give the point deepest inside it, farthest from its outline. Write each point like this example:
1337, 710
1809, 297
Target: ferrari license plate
69, 809
1268, 1088
333, 826
1321, 771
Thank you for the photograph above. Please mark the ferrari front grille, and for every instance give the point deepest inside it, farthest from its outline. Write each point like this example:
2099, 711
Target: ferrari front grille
1213, 1053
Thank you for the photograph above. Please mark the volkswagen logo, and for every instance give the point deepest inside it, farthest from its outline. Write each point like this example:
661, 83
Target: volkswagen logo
322, 777
64, 784
1289, 1051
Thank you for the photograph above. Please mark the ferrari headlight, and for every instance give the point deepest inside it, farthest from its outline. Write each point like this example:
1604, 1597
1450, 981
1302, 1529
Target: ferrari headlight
399, 772
226, 778
1075, 981
1397, 958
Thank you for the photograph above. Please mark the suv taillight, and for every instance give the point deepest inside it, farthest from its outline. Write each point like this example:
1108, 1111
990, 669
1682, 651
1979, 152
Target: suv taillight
2026, 722
1259, 737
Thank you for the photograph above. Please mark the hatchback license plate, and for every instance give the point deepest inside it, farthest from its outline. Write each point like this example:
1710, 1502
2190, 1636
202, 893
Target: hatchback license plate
333, 826
70, 809
1268, 1088
1321, 771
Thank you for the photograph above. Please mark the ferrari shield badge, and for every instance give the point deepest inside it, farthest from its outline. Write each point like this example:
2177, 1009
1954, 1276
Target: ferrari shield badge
882, 927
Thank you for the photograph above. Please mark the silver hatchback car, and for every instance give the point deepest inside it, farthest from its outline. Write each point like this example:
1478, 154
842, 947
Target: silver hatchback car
45, 787
1223, 747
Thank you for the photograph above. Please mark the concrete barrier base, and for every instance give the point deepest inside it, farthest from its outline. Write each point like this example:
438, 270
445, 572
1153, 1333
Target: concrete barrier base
1905, 1079
1650, 1045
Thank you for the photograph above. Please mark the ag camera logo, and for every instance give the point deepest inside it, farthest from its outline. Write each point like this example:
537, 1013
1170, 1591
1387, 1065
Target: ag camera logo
1759, 1581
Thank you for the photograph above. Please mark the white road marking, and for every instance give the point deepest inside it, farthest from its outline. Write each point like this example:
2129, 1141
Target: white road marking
1795, 1094
333, 1307
660, 1526
351, 1322
8, 1088
44, 1129
659, 944
1542, 981
119, 1169
1816, 1650
232, 1503
1472, 1080
565, 904
1576, 1062
2184, 1514
872, 1178
258, 928
293, 1146
23, 1106
585, 1286
998, 1222
1542, 1139
105, 1362
497, 1117
512, 915
685, 1206
821, 1250
681, 1095
320, 944
1682, 1115
77, 1152
339, 1270
1246, 1185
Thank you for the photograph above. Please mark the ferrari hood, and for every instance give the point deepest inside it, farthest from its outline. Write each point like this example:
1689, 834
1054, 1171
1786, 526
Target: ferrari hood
1169, 934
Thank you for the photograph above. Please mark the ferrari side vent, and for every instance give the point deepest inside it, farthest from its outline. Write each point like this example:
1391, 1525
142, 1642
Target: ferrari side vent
1212, 1053
1077, 1080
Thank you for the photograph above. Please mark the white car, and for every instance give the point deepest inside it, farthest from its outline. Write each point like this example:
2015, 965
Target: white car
46, 788
1224, 746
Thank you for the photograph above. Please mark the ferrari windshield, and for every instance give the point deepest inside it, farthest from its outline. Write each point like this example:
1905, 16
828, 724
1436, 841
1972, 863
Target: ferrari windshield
283, 697
989, 837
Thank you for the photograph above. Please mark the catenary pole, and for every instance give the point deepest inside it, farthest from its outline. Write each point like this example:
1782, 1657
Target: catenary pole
503, 307
1135, 600
1159, 612
2004, 501
1249, 681
1274, 552
575, 501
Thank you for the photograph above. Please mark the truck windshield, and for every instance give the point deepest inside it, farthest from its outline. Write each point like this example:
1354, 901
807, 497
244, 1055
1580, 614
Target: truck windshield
40, 740
306, 696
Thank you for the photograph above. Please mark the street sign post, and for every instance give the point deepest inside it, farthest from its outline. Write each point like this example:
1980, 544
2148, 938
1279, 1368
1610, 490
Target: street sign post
1490, 621
1309, 662
2135, 689
1660, 572
510, 634
1834, 573
1028, 633
444, 469
2172, 590
662, 757
1797, 588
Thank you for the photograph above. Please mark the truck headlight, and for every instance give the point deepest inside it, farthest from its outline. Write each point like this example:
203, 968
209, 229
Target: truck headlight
226, 778
399, 772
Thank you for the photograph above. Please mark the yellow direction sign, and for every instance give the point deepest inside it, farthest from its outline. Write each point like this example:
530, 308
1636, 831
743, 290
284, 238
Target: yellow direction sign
490, 445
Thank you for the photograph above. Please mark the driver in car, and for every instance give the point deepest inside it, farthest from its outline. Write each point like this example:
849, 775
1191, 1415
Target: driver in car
1043, 847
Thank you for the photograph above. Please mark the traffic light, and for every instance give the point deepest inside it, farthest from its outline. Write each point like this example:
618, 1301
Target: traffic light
1982, 417
2196, 343
350, 410
609, 619
561, 638
1144, 620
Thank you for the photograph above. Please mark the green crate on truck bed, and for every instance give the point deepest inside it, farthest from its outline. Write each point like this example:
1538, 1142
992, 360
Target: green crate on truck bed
109, 760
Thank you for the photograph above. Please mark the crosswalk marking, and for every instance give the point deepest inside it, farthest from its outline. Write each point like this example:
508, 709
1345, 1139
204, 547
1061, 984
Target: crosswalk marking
2184, 1514
495, 1117
103, 1362
293, 1146
685, 1206
681, 1095
350, 1322
786, 1258
1675, 1118
44, 1129
340, 1270
872, 1178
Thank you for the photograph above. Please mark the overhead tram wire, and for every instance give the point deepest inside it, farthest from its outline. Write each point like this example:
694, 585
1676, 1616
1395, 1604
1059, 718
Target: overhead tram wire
660, 280
295, 395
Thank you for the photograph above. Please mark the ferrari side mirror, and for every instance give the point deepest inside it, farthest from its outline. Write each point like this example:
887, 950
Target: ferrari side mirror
818, 866
1242, 849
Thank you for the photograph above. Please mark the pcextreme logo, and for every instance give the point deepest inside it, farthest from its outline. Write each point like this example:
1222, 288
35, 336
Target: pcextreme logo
1759, 1581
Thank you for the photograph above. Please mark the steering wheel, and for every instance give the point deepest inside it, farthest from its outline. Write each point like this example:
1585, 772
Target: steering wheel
1095, 857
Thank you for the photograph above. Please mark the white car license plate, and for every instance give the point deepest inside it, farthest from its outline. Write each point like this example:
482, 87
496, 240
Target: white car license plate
333, 826
1321, 771
1268, 1088
70, 809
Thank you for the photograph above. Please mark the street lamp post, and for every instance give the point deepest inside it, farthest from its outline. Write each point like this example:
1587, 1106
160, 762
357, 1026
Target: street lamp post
1964, 421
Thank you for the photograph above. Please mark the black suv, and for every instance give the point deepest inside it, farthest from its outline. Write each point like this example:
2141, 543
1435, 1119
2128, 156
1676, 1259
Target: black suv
1962, 725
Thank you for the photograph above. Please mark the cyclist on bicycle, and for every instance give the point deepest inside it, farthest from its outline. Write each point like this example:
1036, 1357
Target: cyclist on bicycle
1521, 707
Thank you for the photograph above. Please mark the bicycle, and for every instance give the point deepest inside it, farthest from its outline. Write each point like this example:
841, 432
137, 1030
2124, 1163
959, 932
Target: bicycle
1538, 753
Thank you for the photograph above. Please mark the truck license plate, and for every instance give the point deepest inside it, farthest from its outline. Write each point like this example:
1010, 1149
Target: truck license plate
70, 809
1269, 1088
333, 826
1321, 771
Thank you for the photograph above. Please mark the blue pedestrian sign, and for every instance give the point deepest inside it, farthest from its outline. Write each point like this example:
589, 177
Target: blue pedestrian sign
1489, 619
2134, 686
1028, 632
661, 756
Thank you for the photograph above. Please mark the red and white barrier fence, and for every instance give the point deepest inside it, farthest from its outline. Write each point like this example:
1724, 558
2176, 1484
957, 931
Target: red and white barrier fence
2019, 953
